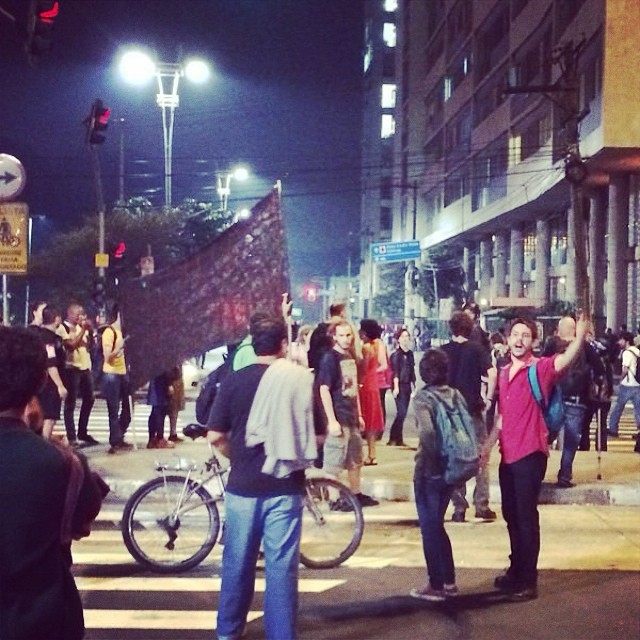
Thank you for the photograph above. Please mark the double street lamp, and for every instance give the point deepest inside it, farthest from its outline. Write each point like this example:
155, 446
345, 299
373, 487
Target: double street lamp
137, 67
224, 185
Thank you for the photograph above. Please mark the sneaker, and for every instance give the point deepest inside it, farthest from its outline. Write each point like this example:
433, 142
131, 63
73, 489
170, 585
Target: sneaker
458, 516
73, 443
429, 594
341, 505
366, 501
391, 443
87, 439
564, 484
522, 594
486, 514
451, 590
123, 446
160, 443
175, 438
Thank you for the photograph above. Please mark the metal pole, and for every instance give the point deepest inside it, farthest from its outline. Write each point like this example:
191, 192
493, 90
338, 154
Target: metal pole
121, 176
5, 300
27, 288
415, 208
97, 175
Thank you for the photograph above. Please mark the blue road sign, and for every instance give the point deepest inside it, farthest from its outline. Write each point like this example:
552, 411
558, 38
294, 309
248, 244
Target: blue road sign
395, 251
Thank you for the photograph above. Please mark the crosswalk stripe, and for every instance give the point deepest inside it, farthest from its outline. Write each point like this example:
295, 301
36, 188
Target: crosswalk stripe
155, 619
181, 583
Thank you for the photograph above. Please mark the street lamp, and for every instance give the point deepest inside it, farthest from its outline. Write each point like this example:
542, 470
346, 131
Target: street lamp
224, 184
137, 67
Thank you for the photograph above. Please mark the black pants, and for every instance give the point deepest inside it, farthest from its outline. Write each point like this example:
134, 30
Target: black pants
79, 384
601, 411
156, 422
520, 484
402, 406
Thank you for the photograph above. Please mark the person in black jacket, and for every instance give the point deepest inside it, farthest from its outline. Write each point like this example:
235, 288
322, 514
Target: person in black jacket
404, 383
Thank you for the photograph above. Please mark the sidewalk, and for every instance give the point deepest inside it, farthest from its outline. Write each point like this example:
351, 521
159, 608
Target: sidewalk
615, 480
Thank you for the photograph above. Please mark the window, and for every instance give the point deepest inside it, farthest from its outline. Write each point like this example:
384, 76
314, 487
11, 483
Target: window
368, 57
388, 125
389, 34
386, 219
390, 5
388, 96
515, 149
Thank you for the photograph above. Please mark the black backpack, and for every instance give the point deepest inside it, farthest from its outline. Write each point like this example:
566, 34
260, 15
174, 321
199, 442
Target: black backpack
209, 390
635, 352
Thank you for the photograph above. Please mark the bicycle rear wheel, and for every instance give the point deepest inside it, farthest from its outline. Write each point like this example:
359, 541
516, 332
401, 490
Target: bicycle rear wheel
165, 533
332, 524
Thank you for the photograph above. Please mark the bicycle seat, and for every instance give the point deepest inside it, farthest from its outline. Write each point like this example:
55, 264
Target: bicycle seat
195, 430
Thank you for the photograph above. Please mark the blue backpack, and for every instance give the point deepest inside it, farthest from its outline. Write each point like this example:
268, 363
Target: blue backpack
457, 442
553, 411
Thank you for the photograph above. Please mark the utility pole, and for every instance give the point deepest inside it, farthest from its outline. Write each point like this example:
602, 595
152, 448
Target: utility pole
567, 90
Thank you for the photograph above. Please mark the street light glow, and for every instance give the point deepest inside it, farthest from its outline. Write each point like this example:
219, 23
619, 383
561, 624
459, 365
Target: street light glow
241, 174
197, 71
137, 67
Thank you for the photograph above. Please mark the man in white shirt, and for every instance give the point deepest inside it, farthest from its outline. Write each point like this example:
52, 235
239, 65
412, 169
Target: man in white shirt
629, 388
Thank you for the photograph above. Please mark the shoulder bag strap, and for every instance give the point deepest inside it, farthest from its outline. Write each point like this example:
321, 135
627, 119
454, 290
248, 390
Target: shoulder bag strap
534, 384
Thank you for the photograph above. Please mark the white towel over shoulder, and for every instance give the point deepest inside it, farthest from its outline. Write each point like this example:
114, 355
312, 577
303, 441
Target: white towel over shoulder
281, 417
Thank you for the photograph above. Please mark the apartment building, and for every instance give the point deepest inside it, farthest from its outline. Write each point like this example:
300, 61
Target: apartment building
475, 152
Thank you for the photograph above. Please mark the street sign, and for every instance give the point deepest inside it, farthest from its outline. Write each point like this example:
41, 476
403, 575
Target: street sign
14, 237
395, 251
12, 177
102, 260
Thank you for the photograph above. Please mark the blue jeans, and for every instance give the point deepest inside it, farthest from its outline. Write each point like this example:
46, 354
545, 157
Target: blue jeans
626, 393
574, 415
432, 499
520, 484
115, 388
277, 523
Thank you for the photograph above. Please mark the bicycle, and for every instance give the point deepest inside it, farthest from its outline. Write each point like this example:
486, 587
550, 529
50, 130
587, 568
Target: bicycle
171, 523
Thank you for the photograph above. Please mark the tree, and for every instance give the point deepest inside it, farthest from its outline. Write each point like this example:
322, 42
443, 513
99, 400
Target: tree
449, 277
389, 303
66, 270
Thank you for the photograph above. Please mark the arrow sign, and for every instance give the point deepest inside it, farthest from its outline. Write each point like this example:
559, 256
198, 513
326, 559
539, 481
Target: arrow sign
8, 177
12, 177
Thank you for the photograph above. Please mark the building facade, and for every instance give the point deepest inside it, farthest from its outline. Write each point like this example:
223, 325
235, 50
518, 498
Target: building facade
489, 97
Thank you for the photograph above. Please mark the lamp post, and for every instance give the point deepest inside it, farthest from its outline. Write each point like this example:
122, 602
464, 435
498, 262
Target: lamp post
138, 68
224, 185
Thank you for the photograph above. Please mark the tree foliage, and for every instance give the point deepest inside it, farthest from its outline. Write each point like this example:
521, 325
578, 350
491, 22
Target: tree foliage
66, 271
449, 277
389, 303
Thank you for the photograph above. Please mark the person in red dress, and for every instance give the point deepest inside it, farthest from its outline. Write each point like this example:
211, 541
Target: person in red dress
368, 389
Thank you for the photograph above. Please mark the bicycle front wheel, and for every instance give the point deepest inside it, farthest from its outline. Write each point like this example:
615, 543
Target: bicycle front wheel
332, 524
170, 524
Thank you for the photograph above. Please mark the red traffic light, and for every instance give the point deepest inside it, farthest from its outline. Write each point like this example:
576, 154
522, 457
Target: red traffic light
311, 293
97, 120
119, 250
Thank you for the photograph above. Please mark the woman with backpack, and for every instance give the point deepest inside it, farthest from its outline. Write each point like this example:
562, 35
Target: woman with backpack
430, 479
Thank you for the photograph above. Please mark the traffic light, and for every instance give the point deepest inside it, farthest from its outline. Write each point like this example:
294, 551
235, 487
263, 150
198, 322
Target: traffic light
310, 293
98, 120
100, 292
40, 20
118, 251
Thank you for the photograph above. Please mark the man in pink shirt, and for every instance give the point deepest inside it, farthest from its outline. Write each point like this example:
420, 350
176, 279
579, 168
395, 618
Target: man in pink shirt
523, 445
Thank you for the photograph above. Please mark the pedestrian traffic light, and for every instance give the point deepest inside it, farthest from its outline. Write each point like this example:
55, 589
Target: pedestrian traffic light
100, 292
40, 21
310, 293
119, 249
98, 120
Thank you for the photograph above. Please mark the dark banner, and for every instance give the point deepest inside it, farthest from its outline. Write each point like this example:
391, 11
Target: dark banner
206, 301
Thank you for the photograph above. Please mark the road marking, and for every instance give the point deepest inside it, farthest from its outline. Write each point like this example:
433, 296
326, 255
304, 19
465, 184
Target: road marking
163, 583
155, 619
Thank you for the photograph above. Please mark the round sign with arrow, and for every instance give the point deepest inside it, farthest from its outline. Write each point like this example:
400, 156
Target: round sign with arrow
12, 177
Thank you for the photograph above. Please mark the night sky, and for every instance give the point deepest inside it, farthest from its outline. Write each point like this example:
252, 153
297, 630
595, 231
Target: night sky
284, 100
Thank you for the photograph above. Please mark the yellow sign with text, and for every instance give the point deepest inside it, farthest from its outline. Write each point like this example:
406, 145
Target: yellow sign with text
14, 237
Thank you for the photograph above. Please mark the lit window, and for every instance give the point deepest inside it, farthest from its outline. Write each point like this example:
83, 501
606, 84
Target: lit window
390, 5
515, 150
388, 96
389, 34
448, 88
388, 127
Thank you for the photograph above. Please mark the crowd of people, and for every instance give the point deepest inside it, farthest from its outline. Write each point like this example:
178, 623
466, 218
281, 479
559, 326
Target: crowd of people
287, 404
